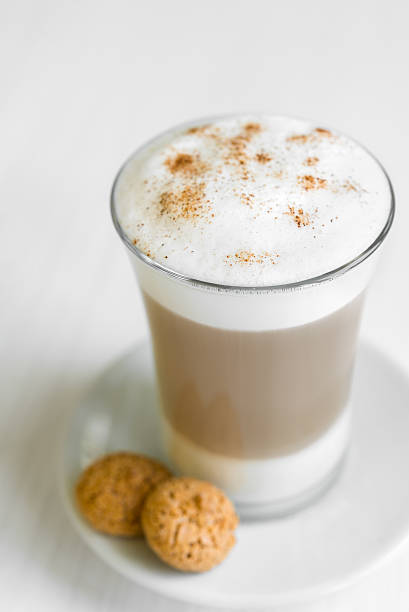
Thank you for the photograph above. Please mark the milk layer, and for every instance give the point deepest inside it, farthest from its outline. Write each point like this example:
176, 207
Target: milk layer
266, 481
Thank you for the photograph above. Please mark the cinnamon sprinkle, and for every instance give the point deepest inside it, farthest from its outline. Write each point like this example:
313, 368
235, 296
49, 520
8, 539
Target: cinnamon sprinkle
198, 129
311, 137
323, 132
247, 199
186, 203
247, 257
279, 174
309, 182
349, 186
252, 128
144, 249
238, 155
311, 161
237, 148
263, 158
300, 217
184, 163
299, 138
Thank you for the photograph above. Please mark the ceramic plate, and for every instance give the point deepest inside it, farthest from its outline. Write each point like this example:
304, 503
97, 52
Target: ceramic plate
335, 541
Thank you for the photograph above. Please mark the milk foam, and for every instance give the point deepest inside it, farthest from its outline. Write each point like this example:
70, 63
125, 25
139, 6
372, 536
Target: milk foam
252, 200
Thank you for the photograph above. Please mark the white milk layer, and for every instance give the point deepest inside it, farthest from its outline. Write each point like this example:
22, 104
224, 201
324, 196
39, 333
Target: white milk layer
254, 310
262, 481
252, 200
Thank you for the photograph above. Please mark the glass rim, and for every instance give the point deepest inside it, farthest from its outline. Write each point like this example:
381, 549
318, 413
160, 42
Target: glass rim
208, 285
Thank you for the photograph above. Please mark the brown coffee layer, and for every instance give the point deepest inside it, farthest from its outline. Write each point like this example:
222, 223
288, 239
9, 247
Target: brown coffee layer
254, 394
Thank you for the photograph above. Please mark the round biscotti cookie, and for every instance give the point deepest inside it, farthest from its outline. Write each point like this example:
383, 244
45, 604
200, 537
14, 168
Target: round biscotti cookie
111, 491
189, 524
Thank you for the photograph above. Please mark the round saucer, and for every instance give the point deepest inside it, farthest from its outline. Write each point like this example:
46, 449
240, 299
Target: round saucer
333, 542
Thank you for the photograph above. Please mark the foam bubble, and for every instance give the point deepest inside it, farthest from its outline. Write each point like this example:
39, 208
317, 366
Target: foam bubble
252, 200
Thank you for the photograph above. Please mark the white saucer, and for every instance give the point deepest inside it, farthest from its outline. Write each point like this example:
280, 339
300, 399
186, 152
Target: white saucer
343, 535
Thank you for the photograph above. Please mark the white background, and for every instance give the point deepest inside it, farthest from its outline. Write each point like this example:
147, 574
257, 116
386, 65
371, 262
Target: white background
82, 85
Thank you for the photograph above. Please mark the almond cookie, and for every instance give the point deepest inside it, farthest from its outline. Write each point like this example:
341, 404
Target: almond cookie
111, 491
189, 524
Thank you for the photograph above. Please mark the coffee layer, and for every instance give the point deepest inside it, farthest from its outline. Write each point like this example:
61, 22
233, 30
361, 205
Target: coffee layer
253, 394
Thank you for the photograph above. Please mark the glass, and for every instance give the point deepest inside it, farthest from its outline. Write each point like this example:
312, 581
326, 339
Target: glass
254, 382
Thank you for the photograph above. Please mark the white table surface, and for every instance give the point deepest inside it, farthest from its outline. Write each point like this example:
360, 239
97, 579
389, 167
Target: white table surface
83, 84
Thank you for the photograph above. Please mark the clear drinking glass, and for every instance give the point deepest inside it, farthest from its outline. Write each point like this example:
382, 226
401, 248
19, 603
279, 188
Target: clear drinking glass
254, 382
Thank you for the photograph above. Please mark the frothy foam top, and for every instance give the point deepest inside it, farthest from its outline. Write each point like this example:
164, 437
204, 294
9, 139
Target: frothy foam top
252, 200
